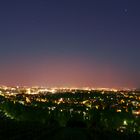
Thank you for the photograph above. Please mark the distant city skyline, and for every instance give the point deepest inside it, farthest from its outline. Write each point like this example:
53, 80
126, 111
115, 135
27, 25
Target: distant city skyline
73, 43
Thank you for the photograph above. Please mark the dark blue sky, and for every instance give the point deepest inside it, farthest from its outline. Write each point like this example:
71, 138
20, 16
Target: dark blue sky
70, 42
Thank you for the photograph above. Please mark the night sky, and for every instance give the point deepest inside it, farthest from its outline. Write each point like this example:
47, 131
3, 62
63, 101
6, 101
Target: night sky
93, 43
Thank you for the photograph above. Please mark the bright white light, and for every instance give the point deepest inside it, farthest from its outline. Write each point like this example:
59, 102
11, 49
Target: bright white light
125, 122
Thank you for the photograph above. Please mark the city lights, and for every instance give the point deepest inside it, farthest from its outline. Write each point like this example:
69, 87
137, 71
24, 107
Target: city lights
80, 101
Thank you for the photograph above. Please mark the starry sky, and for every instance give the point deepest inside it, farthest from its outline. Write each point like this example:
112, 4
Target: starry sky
78, 43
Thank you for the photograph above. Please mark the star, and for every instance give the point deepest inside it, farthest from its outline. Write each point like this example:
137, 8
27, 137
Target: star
126, 10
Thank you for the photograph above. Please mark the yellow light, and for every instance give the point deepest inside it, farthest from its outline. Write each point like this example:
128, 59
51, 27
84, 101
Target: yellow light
125, 122
119, 110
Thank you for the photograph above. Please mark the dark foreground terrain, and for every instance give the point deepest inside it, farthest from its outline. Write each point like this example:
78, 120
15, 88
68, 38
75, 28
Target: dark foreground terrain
69, 115
10, 130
